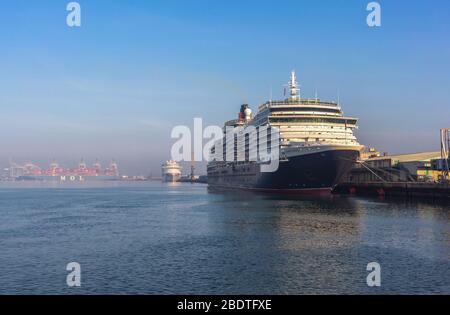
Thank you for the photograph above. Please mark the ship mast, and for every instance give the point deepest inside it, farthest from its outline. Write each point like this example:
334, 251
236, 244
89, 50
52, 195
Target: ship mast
294, 91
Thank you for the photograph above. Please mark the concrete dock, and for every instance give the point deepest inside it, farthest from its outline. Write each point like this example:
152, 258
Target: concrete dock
404, 189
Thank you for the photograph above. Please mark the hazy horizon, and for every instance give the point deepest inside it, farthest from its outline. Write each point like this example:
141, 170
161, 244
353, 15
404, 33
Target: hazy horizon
116, 86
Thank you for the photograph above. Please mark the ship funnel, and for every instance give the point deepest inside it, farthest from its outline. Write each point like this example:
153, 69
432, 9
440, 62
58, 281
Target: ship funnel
245, 113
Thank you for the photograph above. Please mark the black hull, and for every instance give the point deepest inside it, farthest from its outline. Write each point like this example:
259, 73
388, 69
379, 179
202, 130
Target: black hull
312, 173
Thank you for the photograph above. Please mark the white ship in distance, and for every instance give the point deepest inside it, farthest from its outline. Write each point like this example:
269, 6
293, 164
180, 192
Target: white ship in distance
171, 171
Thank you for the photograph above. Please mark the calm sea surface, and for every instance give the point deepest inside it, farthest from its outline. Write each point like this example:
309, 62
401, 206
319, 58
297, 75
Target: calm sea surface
184, 239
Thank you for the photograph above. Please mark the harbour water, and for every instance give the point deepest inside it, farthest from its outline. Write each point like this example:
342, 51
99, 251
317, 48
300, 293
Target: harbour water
150, 238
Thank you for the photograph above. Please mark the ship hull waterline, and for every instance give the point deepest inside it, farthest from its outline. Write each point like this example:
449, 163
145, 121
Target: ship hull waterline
171, 178
309, 174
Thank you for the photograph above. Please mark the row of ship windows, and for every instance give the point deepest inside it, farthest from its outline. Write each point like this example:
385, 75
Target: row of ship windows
301, 134
311, 127
307, 109
290, 136
321, 137
312, 120
267, 111
284, 138
291, 133
317, 131
274, 119
245, 154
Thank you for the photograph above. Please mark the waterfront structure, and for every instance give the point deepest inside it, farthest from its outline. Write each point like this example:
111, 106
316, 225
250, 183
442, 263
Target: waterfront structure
316, 146
420, 174
171, 171
422, 166
368, 153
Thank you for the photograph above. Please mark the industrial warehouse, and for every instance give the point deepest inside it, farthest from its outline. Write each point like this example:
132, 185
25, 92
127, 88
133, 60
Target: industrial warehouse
424, 174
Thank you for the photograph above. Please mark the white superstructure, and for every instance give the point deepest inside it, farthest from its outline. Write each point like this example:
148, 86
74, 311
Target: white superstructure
303, 124
314, 140
307, 124
171, 171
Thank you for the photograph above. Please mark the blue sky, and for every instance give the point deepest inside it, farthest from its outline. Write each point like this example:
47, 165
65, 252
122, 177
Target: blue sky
117, 85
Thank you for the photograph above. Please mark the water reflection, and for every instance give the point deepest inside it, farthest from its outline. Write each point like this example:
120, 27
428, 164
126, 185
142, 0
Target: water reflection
322, 244
183, 238
319, 221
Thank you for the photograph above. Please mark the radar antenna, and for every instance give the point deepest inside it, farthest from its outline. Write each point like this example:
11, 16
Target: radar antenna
294, 91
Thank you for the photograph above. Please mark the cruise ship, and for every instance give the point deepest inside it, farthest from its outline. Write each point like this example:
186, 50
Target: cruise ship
171, 171
316, 146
